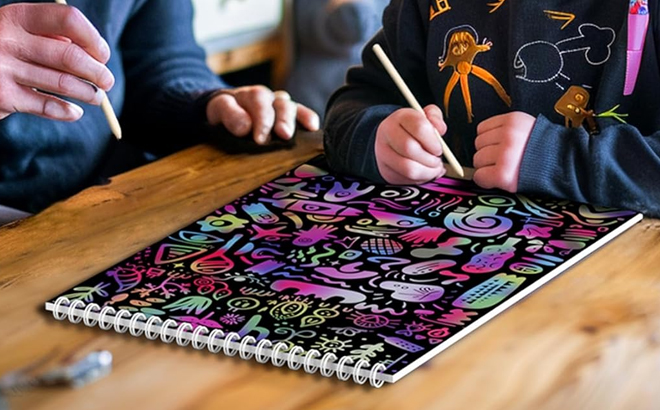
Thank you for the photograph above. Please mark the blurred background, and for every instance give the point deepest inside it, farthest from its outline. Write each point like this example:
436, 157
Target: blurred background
302, 46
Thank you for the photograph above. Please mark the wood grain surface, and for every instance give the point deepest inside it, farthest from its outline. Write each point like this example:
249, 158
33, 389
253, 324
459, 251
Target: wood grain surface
590, 339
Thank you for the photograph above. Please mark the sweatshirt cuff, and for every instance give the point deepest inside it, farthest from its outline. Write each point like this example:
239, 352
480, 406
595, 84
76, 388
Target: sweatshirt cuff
362, 151
551, 160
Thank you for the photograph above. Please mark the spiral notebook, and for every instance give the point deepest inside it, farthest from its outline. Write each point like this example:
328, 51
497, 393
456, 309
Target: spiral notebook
333, 274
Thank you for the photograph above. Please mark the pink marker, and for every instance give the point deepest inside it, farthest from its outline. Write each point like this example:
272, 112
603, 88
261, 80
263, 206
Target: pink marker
638, 24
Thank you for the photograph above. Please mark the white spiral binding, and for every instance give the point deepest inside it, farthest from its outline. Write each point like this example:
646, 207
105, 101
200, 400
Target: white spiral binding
216, 340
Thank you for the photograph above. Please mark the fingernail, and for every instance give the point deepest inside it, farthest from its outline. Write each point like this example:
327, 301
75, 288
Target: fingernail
105, 50
287, 131
316, 123
107, 80
62, 111
76, 110
98, 95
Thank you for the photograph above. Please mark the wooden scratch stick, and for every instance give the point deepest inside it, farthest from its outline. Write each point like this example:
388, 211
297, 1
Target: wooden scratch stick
403, 87
106, 106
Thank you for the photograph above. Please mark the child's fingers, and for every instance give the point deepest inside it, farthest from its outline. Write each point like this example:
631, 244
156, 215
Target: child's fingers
393, 177
411, 170
486, 156
419, 127
434, 115
408, 147
486, 177
492, 137
491, 124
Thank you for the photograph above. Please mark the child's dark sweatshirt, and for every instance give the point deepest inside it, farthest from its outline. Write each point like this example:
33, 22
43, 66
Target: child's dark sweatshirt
528, 55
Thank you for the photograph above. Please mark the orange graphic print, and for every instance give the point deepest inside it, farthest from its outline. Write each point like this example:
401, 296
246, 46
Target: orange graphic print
460, 54
567, 18
495, 5
441, 6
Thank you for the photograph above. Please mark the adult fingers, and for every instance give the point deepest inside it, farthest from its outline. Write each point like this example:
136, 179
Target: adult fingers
67, 57
56, 82
65, 21
27, 100
258, 102
308, 118
225, 110
285, 118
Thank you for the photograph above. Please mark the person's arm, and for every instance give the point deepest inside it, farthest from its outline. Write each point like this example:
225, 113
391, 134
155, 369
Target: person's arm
172, 97
45, 51
356, 110
167, 80
620, 167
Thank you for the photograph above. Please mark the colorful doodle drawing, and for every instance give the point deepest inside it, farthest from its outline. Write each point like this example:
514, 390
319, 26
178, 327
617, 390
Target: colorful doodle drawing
260, 214
492, 258
382, 273
410, 292
478, 222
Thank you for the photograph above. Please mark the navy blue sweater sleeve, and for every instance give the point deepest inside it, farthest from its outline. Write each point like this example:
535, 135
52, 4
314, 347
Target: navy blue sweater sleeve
167, 80
356, 110
619, 167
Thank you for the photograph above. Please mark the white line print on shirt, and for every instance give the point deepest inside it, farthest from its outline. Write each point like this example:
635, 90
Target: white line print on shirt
542, 62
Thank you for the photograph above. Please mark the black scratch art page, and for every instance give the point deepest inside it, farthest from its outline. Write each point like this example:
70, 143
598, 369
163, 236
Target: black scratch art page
323, 264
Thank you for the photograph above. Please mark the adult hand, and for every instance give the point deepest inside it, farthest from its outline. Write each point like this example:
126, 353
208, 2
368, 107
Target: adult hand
500, 144
407, 149
259, 111
50, 49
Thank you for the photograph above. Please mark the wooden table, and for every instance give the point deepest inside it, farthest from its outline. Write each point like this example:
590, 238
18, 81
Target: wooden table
588, 340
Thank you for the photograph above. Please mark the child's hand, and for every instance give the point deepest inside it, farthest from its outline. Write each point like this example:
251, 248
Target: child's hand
407, 149
500, 144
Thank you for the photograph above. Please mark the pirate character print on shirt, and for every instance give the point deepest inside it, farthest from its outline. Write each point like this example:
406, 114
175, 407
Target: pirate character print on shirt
460, 50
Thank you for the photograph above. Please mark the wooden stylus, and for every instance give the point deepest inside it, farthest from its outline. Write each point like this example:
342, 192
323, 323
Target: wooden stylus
396, 77
106, 106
